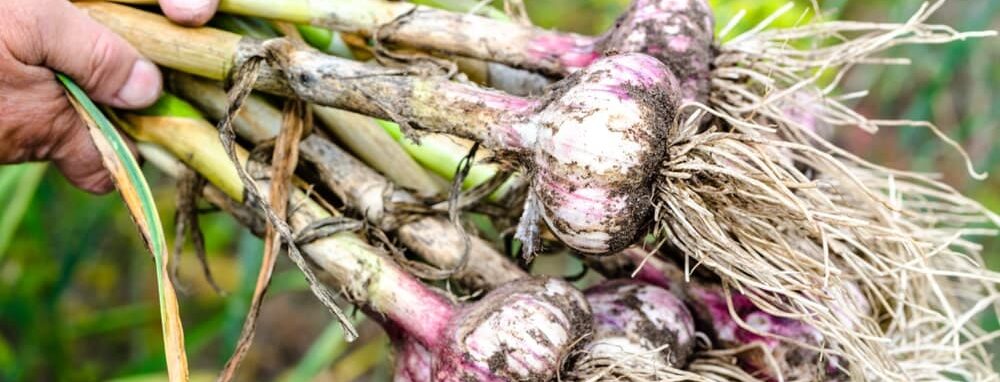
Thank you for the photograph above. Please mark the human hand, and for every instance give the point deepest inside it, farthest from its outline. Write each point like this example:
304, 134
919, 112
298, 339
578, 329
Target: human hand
37, 122
189, 12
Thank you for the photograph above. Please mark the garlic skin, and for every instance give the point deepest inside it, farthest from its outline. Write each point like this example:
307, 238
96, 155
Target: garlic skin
679, 33
632, 320
412, 361
519, 332
597, 147
799, 359
570, 51
710, 305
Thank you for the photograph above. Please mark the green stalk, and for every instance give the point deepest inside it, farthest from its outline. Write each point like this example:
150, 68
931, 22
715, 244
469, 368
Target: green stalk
325, 40
367, 276
430, 29
358, 133
186, 134
465, 6
363, 190
213, 52
247, 26
169, 105
437, 153
442, 154
363, 136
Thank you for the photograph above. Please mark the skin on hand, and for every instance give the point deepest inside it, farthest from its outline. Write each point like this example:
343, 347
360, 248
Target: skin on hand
189, 12
37, 123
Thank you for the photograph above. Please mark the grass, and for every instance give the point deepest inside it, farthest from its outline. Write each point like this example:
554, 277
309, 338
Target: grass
17, 187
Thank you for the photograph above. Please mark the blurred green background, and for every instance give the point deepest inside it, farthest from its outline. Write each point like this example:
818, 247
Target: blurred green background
77, 290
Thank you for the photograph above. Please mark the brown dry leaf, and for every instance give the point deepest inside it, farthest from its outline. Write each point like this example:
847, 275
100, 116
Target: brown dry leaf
297, 118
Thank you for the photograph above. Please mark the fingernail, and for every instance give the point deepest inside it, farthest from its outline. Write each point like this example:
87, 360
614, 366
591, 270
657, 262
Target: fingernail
142, 87
192, 5
189, 12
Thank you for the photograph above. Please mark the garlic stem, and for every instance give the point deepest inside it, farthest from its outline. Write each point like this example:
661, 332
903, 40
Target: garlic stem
365, 274
363, 190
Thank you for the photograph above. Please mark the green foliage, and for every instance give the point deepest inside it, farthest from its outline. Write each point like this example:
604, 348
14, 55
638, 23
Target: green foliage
758, 10
17, 189
329, 346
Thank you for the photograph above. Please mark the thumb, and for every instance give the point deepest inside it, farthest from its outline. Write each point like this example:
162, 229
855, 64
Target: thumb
104, 64
189, 12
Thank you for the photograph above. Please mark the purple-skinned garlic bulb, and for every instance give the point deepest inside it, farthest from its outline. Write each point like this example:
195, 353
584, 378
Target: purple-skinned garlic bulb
793, 345
412, 361
640, 324
521, 331
680, 33
593, 143
596, 148
711, 306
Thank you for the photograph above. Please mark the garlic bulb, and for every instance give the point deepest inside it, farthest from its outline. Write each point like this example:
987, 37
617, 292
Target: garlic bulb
520, 331
597, 147
636, 320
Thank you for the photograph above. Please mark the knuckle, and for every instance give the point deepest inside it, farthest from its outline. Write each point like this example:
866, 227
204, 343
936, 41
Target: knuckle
103, 60
20, 37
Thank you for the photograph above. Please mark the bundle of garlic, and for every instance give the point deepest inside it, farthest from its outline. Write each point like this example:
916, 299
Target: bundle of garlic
655, 128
